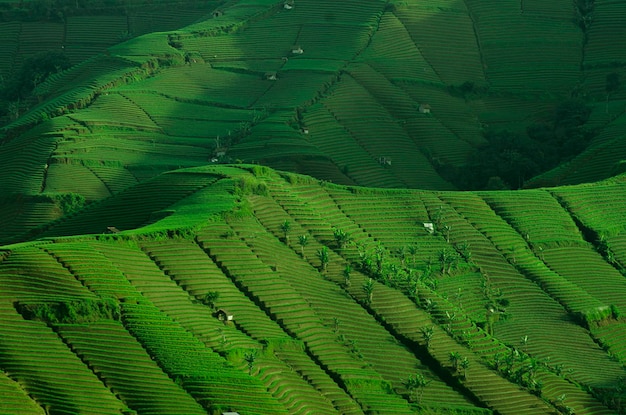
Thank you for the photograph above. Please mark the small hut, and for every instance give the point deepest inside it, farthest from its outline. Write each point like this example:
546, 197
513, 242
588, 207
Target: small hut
424, 109
297, 50
223, 315
430, 228
385, 161
289, 4
217, 13
112, 229
271, 76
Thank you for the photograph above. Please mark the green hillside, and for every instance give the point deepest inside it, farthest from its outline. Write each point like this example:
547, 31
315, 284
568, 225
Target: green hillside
312, 207
489, 309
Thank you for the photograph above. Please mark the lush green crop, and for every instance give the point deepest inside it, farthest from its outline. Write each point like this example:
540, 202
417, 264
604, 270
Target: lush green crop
153, 258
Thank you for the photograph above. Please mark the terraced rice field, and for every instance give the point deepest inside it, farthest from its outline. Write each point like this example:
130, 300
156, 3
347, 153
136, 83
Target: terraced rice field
157, 257
302, 339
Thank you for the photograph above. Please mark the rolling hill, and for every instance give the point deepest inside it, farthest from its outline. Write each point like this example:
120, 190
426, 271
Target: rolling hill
263, 207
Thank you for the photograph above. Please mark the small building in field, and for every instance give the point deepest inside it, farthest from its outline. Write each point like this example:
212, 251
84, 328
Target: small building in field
289, 4
271, 76
223, 315
385, 161
430, 227
297, 50
424, 109
217, 13
112, 229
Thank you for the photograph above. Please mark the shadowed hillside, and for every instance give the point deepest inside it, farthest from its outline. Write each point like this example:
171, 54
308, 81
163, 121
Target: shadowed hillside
312, 207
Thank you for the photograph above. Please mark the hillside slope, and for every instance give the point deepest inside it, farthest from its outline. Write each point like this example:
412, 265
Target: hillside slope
259, 212
381, 94
488, 308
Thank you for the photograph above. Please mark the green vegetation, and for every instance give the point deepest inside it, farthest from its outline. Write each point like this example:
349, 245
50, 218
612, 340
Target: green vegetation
71, 312
203, 214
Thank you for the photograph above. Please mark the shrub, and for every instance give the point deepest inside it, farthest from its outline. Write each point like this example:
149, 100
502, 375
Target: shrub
68, 203
250, 186
71, 312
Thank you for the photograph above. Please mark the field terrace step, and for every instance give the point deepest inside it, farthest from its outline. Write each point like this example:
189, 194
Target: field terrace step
294, 392
532, 314
485, 348
133, 207
187, 264
307, 325
481, 347
127, 369
47, 370
22, 162
31, 275
352, 328
317, 377
360, 332
207, 376
538, 216
15, 400
92, 268
512, 252
427, 23
401, 224
597, 277
613, 336
170, 298
331, 137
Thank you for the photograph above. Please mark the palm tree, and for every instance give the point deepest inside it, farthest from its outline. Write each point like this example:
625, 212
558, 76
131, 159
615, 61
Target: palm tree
303, 240
455, 360
322, 254
444, 258
368, 287
428, 333
346, 274
415, 385
250, 358
464, 364
286, 227
342, 238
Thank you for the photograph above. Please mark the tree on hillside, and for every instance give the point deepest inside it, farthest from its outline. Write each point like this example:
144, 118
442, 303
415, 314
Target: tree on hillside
285, 227
455, 360
463, 249
303, 240
250, 358
323, 256
427, 334
210, 299
34, 70
448, 259
342, 238
346, 275
415, 384
368, 288
464, 364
